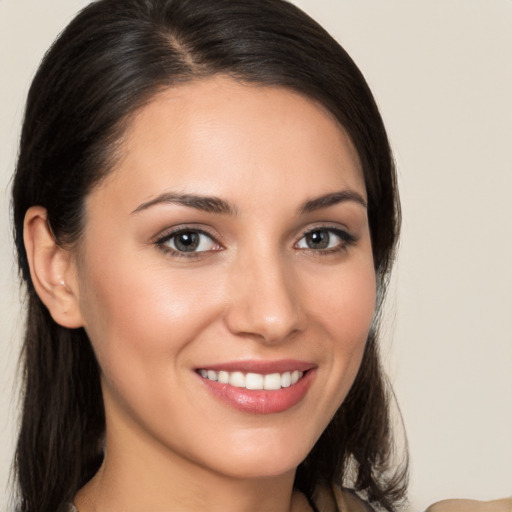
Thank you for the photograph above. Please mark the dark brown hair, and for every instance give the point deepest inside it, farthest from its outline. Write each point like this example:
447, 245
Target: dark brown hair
109, 62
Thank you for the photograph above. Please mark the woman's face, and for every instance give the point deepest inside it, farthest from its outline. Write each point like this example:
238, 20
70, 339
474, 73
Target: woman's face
229, 249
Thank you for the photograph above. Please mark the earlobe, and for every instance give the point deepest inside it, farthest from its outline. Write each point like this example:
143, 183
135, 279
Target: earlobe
52, 269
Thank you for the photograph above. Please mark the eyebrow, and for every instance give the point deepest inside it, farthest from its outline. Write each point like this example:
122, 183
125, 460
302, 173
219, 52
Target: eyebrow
216, 205
204, 203
332, 199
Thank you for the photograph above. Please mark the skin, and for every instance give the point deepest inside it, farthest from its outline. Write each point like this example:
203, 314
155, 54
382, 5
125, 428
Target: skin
503, 505
257, 292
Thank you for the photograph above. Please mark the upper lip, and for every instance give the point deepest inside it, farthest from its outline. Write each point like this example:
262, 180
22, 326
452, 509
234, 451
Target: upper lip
262, 367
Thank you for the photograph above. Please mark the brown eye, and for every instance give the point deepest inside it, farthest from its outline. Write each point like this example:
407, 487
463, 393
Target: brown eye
318, 239
325, 239
190, 241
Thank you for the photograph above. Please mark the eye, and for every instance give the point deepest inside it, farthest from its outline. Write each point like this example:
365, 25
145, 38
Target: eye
188, 241
325, 239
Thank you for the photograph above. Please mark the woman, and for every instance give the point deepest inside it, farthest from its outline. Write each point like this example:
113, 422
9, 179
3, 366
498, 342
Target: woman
206, 214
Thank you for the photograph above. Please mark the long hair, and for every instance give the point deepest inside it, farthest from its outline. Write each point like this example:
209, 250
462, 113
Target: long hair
107, 64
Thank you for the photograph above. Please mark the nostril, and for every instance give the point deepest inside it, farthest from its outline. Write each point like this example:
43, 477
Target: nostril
263, 302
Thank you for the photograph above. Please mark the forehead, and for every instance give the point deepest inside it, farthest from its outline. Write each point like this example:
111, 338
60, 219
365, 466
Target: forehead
223, 137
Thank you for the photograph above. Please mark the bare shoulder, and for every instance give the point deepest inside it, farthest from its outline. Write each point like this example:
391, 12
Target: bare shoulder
503, 505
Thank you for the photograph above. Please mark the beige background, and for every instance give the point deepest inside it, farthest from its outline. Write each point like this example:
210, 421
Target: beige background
442, 74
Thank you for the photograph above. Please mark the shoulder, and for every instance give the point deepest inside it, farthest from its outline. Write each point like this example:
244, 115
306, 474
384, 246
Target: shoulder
335, 499
503, 505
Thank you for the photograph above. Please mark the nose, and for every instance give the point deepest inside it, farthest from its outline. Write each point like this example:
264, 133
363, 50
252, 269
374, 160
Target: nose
264, 302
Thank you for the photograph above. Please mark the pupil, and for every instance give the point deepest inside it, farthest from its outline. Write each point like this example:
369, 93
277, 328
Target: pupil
318, 240
187, 241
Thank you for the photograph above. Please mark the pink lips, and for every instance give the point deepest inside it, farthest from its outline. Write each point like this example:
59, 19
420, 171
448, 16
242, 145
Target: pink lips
261, 401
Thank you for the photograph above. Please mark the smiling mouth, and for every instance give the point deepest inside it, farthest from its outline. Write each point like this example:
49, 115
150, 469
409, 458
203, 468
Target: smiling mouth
259, 387
253, 381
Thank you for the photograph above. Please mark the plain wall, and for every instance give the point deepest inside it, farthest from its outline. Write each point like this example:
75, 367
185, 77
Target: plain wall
441, 71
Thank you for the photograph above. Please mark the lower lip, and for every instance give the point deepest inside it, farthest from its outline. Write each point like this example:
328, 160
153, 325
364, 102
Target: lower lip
261, 401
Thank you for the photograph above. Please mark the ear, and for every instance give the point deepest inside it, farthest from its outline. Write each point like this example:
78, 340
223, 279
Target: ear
52, 269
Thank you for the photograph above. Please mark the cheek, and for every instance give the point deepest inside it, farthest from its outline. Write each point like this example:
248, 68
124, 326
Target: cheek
348, 306
135, 317
346, 313
141, 324
356, 312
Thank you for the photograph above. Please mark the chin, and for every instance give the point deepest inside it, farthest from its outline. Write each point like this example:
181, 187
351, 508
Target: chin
267, 461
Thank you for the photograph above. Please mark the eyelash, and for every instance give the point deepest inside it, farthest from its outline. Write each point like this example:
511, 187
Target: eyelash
167, 237
346, 240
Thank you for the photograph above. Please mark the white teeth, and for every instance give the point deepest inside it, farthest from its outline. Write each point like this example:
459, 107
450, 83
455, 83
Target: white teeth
255, 381
223, 377
237, 379
272, 381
